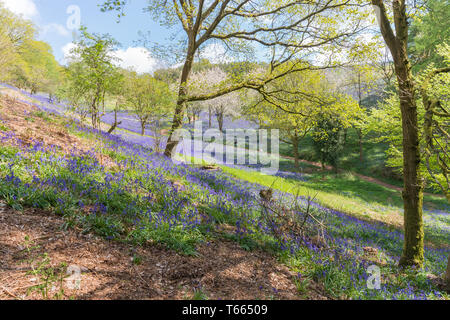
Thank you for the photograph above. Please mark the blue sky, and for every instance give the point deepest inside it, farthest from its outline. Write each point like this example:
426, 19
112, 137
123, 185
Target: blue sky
51, 17
53, 21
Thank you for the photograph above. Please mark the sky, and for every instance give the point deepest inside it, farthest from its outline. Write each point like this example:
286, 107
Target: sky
58, 19
55, 19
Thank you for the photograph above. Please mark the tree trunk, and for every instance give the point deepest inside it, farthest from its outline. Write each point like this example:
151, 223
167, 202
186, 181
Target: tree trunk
142, 128
361, 149
413, 191
114, 126
220, 121
94, 114
181, 102
94, 109
447, 275
210, 118
103, 101
296, 153
413, 184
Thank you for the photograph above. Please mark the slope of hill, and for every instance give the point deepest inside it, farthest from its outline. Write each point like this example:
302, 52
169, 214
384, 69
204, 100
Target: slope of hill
30, 230
136, 201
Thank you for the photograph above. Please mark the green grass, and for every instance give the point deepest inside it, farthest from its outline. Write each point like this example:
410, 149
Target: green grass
344, 192
42, 115
374, 164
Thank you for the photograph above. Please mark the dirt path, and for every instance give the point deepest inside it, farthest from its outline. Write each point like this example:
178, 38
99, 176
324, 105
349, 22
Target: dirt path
222, 269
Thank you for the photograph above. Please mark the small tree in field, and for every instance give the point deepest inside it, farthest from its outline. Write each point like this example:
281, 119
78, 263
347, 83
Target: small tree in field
148, 98
96, 71
328, 138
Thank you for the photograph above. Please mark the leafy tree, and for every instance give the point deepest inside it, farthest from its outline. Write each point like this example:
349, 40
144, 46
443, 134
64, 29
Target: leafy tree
432, 108
397, 43
328, 138
40, 72
14, 32
297, 103
74, 90
361, 79
148, 98
95, 70
429, 30
435, 90
169, 75
293, 116
116, 92
283, 26
25, 62
7, 54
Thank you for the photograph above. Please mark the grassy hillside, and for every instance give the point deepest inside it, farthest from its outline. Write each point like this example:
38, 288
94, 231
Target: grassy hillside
126, 193
374, 164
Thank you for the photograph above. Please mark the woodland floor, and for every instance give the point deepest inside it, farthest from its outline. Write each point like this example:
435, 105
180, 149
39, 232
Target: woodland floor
222, 269
112, 270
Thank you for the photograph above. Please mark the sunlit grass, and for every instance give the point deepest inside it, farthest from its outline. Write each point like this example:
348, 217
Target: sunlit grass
345, 193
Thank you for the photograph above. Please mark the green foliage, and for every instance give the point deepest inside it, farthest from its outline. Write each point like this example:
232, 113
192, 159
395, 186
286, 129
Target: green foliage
328, 137
24, 61
15, 33
429, 30
40, 71
3, 127
386, 122
297, 103
301, 284
150, 99
42, 115
198, 295
91, 74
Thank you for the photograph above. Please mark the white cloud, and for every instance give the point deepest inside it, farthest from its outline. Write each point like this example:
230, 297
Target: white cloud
56, 28
139, 59
26, 8
66, 51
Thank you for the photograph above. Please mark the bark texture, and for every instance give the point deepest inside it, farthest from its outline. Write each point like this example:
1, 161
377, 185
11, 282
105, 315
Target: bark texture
413, 184
447, 275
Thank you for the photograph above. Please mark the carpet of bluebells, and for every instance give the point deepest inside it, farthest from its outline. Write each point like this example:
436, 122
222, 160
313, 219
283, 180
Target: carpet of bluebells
147, 198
